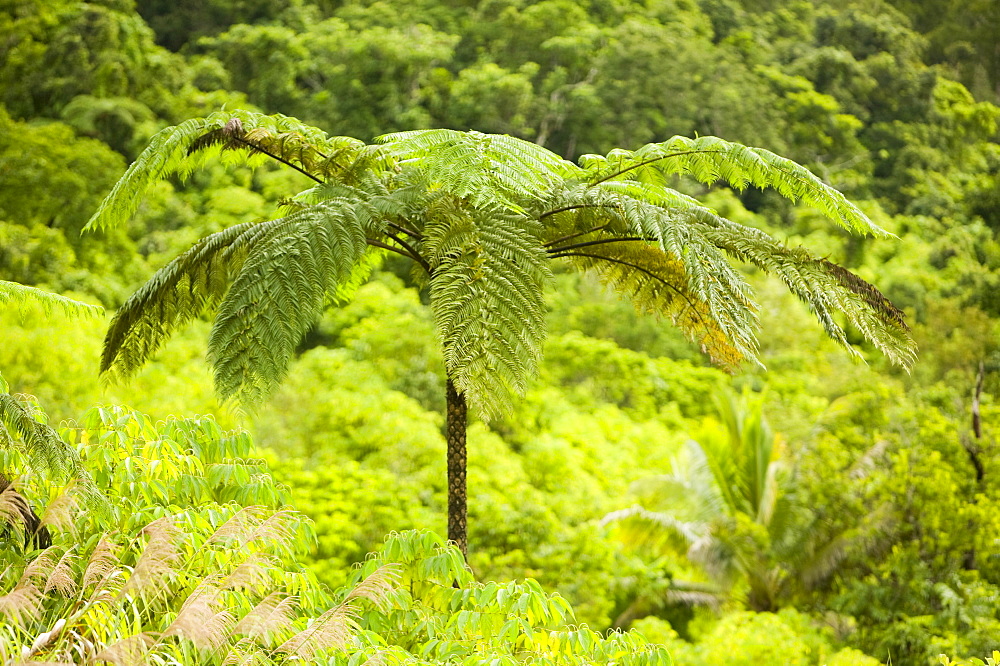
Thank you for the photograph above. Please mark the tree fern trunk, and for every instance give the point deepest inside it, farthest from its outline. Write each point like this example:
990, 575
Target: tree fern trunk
456, 425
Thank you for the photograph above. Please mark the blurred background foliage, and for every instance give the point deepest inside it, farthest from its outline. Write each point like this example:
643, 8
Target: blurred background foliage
851, 513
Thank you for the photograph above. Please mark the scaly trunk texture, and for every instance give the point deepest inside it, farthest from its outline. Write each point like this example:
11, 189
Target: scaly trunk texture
457, 420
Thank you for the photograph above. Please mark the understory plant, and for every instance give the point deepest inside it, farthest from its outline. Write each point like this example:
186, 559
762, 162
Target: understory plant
190, 556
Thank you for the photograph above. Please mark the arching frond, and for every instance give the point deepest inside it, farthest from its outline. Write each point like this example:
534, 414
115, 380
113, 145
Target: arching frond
176, 294
710, 159
657, 283
42, 448
240, 137
13, 293
201, 278
640, 528
279, 292
824, 286
488, 169
488, 276
582, 219
601, 221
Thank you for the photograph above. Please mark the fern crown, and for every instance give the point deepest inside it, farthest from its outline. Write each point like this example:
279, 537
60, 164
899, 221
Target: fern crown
482, 217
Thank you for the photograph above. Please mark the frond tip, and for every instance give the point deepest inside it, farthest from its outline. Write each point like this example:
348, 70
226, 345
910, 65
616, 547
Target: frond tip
22, 295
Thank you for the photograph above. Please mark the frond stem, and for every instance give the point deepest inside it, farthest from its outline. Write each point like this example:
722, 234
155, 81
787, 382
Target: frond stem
641, 270
648, 162
413, 233
390, 248
576, 235
603, 241
254, 146
556, 211
413, 253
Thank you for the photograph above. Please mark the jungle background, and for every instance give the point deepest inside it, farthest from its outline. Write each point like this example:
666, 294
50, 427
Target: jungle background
816, 512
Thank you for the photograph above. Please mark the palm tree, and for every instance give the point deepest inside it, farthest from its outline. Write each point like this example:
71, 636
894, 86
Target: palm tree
482, 217
730, 505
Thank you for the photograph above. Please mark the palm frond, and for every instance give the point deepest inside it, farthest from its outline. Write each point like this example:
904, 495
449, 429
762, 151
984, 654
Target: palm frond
710, 159
867, 540
13, 293
640, 528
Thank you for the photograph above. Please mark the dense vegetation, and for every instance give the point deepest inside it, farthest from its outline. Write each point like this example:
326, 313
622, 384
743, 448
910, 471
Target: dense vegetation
819, 512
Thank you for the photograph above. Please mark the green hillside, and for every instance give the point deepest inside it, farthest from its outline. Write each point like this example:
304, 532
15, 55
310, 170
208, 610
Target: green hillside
822, 506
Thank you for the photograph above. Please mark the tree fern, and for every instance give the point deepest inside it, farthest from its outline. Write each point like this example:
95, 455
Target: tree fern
481, 217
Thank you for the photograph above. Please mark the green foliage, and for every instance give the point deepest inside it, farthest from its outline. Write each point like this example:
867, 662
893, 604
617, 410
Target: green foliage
192, 559
12, 293
731, 505
462, 200
60, 50
441, 615
851, 91
188, 554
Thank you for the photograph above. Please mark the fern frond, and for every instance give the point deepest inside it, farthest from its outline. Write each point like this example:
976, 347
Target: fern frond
488, 169
279, 293
710, 159
21, 295
487, 285
656, 283
824, 286
42, 447
683, 276
240, 137
177, 293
